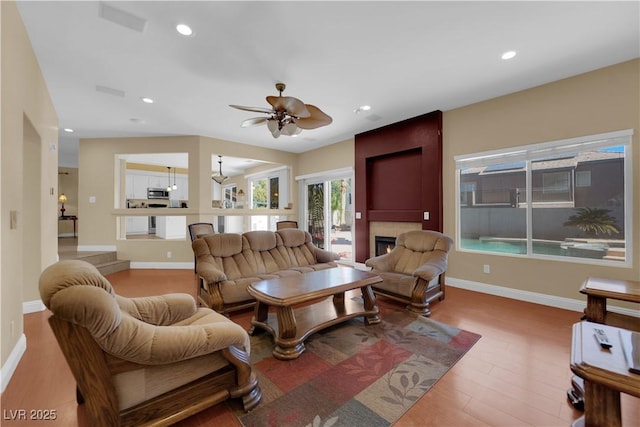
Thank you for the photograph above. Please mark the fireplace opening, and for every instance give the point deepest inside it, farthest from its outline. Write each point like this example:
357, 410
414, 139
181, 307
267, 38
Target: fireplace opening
384, 244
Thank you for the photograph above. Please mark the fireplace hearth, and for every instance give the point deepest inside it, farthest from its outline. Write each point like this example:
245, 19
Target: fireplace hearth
384, 244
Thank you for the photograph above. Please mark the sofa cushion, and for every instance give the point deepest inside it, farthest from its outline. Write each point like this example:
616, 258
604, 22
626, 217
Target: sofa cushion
269, 257
298, 247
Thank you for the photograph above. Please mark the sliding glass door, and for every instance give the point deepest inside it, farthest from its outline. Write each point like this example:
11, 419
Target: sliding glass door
329, 214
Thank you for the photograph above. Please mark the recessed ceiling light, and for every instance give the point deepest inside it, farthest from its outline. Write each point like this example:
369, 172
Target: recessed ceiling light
147, 100
68, 130
509, 54
183, 29
362, 108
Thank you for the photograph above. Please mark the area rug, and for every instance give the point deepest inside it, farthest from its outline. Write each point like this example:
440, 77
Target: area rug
355, 375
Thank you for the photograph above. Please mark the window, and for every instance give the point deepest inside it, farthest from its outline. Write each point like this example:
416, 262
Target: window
566, 199
269, 189
583, 179
230, 196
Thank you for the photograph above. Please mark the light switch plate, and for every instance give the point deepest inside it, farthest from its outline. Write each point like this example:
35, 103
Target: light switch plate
358, 215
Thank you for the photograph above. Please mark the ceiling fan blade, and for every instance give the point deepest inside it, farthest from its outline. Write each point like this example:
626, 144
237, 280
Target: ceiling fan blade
254, 121
253, 109
293, 106
317, 119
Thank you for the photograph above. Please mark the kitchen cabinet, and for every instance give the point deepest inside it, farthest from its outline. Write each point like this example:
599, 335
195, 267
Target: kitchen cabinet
137, 224
136, 186
171, 227
182, 192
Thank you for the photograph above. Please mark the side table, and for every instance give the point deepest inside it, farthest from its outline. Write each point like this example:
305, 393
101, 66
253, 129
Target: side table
598, 290
605, 373
73, 218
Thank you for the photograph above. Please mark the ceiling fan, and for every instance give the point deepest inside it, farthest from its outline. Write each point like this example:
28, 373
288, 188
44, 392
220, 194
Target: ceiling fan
288, 115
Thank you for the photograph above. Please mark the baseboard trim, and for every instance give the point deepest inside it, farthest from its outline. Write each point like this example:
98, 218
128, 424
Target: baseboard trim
97, 248
32, 306
162, 265
534, 297
12, 362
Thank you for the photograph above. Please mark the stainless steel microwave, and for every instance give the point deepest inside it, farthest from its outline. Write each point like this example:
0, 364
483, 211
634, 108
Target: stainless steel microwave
157, 193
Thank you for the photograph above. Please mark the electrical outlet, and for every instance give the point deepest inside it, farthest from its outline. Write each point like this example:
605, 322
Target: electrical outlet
169, 254
487, 268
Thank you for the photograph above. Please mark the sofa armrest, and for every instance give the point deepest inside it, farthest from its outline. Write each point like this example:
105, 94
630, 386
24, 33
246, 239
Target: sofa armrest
156, 345
435, 266
210, 272
380, 263
325, 256
159, 310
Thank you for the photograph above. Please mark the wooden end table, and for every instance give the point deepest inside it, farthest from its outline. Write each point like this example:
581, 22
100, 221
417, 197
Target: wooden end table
605, 373
309, 302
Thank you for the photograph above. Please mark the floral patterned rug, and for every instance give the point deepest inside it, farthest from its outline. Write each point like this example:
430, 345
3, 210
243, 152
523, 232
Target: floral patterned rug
355, 375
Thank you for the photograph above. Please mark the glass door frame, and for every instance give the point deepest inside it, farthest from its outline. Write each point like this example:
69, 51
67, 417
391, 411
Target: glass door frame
326, 178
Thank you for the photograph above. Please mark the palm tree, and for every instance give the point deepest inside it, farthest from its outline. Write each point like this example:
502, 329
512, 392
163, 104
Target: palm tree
593, 221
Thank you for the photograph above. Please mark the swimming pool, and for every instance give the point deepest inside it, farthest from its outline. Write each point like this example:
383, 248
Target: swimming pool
540, 247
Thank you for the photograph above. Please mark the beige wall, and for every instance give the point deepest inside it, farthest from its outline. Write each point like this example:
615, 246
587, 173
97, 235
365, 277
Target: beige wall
97, 166
600, 101
29, 127
336, 156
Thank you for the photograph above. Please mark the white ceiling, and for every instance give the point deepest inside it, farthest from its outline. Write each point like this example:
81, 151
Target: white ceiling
402, 58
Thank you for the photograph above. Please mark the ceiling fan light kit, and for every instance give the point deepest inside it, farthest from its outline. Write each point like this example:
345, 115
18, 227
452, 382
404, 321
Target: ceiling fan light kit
288, 115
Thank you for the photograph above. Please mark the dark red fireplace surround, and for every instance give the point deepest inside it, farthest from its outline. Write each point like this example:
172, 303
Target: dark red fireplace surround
398, 176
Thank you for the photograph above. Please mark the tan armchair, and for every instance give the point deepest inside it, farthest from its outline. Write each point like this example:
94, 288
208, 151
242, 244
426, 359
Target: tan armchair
413, 272
144, 360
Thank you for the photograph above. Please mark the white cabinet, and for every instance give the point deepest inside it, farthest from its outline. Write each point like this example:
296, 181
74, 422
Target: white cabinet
136, 186
171, 227
140, 185
182, 192
137, 225
138, 181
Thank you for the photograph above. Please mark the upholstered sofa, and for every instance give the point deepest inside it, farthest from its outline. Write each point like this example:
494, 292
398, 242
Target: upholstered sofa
227, 263
414, 270
148, 360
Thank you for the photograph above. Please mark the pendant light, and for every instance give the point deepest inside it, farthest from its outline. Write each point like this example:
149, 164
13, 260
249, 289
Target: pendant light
175, 186
219, 178
169, 178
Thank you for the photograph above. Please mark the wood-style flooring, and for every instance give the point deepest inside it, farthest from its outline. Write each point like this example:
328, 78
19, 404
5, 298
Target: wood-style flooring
516, 375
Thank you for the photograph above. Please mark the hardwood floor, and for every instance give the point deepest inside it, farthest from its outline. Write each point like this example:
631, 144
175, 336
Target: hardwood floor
516, 375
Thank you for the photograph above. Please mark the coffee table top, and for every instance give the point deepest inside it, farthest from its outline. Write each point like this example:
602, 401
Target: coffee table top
304, 287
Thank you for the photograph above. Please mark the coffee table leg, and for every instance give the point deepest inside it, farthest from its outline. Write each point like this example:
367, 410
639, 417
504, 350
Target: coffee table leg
260, 314
370, 305
287, 347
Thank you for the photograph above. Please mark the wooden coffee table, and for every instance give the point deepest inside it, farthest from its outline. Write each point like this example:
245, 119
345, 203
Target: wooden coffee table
309, 302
